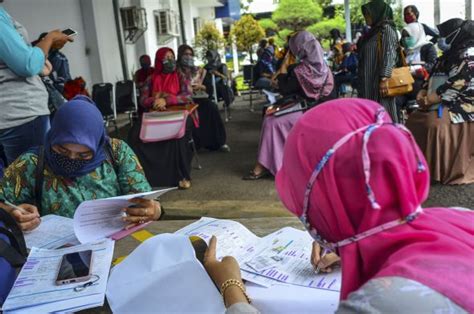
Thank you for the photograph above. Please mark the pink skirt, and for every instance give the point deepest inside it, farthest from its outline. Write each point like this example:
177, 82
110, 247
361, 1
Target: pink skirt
273, 138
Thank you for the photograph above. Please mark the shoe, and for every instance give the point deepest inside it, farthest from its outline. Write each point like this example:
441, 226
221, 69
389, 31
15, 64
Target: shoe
184, 184
224, 148
254, 176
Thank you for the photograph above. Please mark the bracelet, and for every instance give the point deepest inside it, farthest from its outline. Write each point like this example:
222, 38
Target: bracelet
233, 282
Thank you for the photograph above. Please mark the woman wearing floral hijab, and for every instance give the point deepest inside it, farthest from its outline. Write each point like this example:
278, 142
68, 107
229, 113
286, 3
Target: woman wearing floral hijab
444, 125
362, 198
311, 79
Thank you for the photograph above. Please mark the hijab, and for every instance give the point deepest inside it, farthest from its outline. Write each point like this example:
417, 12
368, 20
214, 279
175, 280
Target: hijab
183, 68
435, 249
312, 72
78, 121
459, 35
146, 69
164, 82
381, 14
415, 30
214, 60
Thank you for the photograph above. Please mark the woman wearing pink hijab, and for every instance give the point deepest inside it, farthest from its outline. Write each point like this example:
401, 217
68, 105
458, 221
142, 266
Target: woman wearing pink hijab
357, 182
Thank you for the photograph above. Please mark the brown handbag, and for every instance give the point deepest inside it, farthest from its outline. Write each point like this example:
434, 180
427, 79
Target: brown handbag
401, 81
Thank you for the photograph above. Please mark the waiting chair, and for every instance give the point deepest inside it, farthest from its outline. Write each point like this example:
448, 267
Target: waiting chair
126, 98
248, 72
216, 99
103, 96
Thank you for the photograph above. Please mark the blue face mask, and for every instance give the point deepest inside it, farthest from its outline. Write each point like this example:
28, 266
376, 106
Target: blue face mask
409, 42
442, 45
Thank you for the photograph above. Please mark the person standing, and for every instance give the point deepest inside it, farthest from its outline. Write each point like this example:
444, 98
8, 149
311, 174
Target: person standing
378, 55
411, 15
24, 100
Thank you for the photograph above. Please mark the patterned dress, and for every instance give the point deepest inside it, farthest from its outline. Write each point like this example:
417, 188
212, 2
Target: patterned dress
61, 195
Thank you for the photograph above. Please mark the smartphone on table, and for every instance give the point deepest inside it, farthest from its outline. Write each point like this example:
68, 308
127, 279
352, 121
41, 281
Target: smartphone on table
75, 267
70, 32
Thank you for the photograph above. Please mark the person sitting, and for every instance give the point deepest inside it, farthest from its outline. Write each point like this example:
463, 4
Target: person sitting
211, 132
443, 127
79, 162
215, 67
421, 56
75, 87
141, 75
264, 69
347, 71
23, 97
362, 198
337, 54
309, 78
166, 163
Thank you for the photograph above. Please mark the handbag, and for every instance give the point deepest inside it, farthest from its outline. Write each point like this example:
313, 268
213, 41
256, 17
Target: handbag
163, 125
401, 81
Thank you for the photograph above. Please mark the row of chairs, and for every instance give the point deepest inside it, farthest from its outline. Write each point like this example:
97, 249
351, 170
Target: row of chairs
114, 99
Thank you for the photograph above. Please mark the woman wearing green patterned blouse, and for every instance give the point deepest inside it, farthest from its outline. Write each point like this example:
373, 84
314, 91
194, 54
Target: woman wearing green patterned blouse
80, 163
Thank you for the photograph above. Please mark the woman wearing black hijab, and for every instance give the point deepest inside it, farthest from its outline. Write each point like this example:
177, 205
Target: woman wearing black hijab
444, 125
211, 132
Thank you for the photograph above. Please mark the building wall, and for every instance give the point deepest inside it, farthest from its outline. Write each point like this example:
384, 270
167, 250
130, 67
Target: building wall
45, 15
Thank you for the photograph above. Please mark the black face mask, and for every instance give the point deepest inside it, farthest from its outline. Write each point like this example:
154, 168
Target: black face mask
169, 66
69, 166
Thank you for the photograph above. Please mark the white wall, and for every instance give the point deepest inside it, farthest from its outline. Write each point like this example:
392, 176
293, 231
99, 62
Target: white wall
44, 15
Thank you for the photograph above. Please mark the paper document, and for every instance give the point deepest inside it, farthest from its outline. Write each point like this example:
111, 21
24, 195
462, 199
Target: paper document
282, 256
36, 283
98, 219
53, 232
162, 275
272, 97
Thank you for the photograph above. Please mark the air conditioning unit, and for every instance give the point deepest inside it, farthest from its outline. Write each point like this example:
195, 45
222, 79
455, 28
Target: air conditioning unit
166, 22
134, 23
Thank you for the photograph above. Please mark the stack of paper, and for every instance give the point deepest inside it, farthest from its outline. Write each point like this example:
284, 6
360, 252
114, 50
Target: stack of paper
280, 257
35, 289
53, 232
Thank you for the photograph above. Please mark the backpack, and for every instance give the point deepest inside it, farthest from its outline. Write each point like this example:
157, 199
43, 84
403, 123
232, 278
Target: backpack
39, 173
12, 253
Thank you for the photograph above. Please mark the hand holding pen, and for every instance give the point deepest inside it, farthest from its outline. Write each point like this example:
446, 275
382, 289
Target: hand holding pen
322, 261
25, 215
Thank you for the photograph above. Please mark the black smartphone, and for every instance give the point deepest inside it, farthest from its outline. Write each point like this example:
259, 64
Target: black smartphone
70, 32
75, 267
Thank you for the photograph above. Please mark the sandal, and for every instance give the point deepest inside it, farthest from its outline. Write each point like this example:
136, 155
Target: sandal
184, 184
254, 176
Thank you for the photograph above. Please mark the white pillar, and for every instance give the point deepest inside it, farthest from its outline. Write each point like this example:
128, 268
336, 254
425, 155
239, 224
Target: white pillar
347, 15
235, 58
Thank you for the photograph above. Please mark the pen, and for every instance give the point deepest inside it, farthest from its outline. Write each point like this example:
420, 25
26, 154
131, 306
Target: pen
16, 207
318, 268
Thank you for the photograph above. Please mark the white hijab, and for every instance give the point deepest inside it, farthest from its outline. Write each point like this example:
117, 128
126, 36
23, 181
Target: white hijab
416, 31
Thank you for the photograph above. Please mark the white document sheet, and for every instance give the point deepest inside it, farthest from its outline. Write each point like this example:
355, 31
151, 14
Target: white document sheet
271, 96
53, 232
162, 275
284, 298
36, 283
285, 256
282, 256
98, 219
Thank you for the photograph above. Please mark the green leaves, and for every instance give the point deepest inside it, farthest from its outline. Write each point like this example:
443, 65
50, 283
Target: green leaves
247, 32
297, 14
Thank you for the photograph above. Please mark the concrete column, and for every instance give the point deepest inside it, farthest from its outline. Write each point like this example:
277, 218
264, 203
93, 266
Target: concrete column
347, 15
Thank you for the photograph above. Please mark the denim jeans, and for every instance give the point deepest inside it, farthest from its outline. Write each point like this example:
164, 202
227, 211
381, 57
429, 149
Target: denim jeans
17, 140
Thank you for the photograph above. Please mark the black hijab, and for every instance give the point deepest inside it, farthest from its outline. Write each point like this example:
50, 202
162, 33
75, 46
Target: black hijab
214, 60
459, 34
381, 14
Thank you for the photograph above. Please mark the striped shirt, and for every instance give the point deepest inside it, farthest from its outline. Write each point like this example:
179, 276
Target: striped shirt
372, 67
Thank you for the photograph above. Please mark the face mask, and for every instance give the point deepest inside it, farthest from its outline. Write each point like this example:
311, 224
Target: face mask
69, 166
188, 61
145, 65
442, 45
409, 42
169, 66
409, 19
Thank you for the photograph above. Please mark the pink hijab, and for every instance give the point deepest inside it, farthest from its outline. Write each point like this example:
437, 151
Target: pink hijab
435, 249
312, 73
